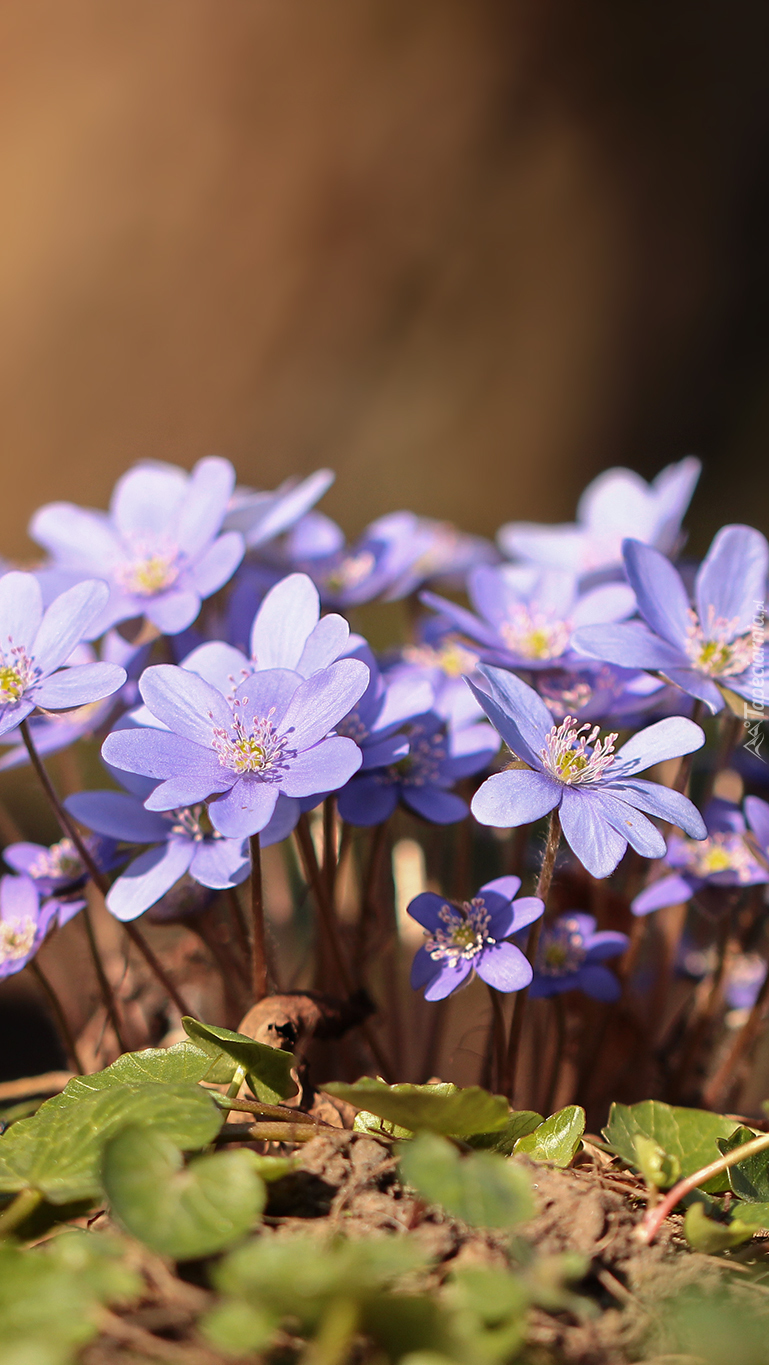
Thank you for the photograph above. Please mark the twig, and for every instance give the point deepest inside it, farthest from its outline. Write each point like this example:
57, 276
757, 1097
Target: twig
651, 1224
259, 944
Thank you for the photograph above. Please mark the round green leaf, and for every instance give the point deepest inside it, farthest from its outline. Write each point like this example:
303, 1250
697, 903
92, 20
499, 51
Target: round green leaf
435, 1108
482, 1189
268, 1069
557, 1139
177, 1210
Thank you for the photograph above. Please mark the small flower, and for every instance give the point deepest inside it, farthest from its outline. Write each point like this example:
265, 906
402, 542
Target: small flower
723, 859
615, 505
695, 649
159, 548
567, 767
34, 645
260, 517
430, 551
570, 955
58, 872
525, 617
24, 923
469, 937
271, 734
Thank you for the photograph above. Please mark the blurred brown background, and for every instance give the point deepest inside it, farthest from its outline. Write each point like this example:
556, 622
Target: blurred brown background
467, 254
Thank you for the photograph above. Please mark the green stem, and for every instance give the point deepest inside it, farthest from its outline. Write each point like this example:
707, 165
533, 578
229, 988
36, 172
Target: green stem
259, 959
519, 1009
25, 1202
267, 1131
648, 1229
59, 1015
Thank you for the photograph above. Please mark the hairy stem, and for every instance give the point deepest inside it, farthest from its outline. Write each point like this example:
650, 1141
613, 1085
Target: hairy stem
259, 959
648, 1229
60, 1017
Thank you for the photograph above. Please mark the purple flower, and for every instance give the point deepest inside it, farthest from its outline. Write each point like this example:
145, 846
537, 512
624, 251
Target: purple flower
346, 575
722, 859
34, 645
429, 550
467, 938
567, 767
260, 517
603, 693
52, 733
24, 923
183, 842
525, 617
58, 872
745, 976
271, 734
159, 547
695, 649
570, 955
617, 504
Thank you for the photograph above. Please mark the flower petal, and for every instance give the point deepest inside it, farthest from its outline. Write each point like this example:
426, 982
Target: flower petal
324, 768
66, 622
661, 801
80, 685
447, 979
321, 701
504, 967
423, 969
525, 708
217, 564
146, 499
245, 810
668, 738
611, 602
732, 579
367, 800
588, 833
325, 643
629, 644
21, 609
219, 664
172, 612
439, 807
218, 863
184, 702
118, 815
628, 821
206, 496
605, 944
662, 598
515, 797
426, 909
284, 621
526, 910
148, 878
599, 983
757, 812
77, 537
508, 887
673, 890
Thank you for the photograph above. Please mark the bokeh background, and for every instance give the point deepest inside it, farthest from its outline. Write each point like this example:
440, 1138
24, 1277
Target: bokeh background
466, 254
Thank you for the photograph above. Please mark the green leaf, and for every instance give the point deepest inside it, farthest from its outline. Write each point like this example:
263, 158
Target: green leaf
170, 1066
177, 1210
656, 1166
434, 1108
58, 1150
557, 1139
267, 1069
749, 1180
705, 1234
364, 1122
519, 1123
751, 1216
273, 1167
482, 1189
690, 1135
238, 1328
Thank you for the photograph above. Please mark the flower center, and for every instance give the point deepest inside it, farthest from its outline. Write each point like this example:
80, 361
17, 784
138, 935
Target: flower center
256, 749
465, 935
16, 939
193, 823
350, 571
575, 755
721, 853
450, 657
564, 693
534, 635
60, 861
421, 765
352, 727
562, 949
17, 673
150, 571
717, 650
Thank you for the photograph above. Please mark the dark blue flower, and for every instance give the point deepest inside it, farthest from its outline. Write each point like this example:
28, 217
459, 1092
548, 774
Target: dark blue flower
159, 548
567, 767
694, 648
469, 937
570, 957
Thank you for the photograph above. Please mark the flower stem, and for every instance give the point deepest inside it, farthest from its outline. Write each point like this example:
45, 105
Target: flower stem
519, 1009
558, 1050
25, 1202
331, 930
69, 828
59, 1015
259, 957
497, 1040
684, 773
648, 1229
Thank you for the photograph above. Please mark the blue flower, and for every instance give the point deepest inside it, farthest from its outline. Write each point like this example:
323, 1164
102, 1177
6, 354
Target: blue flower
525, 617
467, 938
346, 575
617, 504
34, 645
569, 768
722, 859
570, 955
58, 872
430, 551
695, 649
159, 548
271, 734
24, 923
